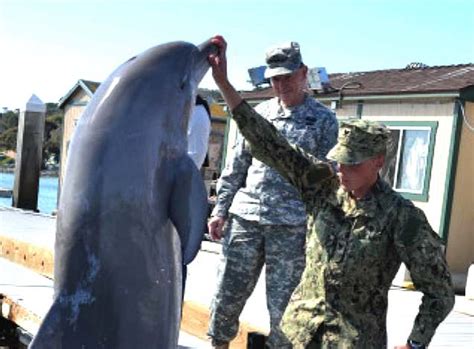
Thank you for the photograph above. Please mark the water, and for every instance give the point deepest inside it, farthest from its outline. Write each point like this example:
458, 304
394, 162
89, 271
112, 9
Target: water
48, 192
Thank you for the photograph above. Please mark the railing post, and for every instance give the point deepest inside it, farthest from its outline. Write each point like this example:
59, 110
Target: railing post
29, 154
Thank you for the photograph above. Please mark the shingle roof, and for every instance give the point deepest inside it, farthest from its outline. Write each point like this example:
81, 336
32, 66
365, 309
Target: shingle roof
413, 79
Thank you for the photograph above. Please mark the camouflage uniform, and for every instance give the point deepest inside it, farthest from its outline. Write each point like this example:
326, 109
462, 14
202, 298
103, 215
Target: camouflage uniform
354, 248
267, 220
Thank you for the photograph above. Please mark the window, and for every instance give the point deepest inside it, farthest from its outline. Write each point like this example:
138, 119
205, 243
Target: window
409, 156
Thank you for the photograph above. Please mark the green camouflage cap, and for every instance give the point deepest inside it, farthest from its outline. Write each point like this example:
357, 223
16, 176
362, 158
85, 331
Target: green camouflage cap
283, 59
359, 140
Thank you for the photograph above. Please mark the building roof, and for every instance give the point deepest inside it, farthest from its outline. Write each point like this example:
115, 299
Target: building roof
414, 79
88, 86
91, 85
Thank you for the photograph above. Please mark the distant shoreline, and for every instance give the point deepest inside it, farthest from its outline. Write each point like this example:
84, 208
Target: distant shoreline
46, 173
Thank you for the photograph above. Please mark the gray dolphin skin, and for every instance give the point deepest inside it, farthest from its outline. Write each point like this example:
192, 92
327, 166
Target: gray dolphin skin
128, 182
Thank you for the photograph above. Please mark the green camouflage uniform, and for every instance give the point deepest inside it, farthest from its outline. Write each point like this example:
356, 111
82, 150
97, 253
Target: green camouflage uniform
354, 248
267, 221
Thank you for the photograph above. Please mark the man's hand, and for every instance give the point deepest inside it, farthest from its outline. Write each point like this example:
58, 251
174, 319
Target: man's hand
405, 346
215, 226
218, 61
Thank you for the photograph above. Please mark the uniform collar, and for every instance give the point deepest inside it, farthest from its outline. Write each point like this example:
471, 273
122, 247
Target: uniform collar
369, 206
286, 112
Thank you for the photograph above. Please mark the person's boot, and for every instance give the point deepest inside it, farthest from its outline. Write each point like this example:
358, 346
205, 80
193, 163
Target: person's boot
221, 346
256, 340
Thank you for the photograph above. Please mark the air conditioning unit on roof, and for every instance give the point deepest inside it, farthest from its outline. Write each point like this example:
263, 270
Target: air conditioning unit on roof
318, 79
257, 76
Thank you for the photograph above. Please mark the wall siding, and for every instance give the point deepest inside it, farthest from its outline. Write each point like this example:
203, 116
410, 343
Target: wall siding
460, 251
72, 112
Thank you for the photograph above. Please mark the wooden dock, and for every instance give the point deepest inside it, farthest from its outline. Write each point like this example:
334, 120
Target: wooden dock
26, 290
5, 193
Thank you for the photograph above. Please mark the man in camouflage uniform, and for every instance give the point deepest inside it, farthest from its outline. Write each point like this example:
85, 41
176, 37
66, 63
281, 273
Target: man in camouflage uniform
359, 232
266, 221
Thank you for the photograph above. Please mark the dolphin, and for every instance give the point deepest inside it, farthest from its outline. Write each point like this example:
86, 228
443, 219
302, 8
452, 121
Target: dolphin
132, 210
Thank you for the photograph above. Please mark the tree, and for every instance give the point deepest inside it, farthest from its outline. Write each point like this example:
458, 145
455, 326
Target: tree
52, 139
52, 131
8, 120
8, 138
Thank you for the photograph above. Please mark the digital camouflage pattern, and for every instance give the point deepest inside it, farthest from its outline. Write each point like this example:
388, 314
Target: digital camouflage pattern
251, 190
358, 141
283, 59
354, 249
239, 269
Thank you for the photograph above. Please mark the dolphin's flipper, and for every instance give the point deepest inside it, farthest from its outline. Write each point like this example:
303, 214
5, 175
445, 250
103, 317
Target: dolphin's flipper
189, 208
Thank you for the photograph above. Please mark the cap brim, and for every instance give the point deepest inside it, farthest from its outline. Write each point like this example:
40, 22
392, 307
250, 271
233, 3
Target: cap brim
345, 155
271, 72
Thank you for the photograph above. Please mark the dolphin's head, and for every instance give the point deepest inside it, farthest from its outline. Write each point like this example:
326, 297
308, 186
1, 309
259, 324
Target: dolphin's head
190, 64
186, 66
158, 87
196, 67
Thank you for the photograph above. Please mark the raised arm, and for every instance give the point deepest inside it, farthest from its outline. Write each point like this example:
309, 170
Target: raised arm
266, 143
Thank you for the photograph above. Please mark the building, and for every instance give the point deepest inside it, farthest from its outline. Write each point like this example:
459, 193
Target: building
431, 113
73, 104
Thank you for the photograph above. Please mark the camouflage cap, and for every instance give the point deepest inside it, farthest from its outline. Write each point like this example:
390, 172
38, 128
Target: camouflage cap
283, 59
359, 140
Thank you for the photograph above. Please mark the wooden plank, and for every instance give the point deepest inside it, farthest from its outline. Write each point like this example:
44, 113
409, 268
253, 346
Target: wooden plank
196, 320
40, 260
36, 258
15, 312
25, 298
5, 193
26, 295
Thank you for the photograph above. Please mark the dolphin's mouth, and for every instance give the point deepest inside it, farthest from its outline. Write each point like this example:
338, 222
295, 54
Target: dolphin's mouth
202, 63
207, 47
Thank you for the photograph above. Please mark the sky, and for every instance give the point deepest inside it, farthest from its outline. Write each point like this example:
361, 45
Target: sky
46, 46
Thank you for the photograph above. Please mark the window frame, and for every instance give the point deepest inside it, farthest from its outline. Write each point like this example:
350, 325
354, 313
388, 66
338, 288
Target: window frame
416, 125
